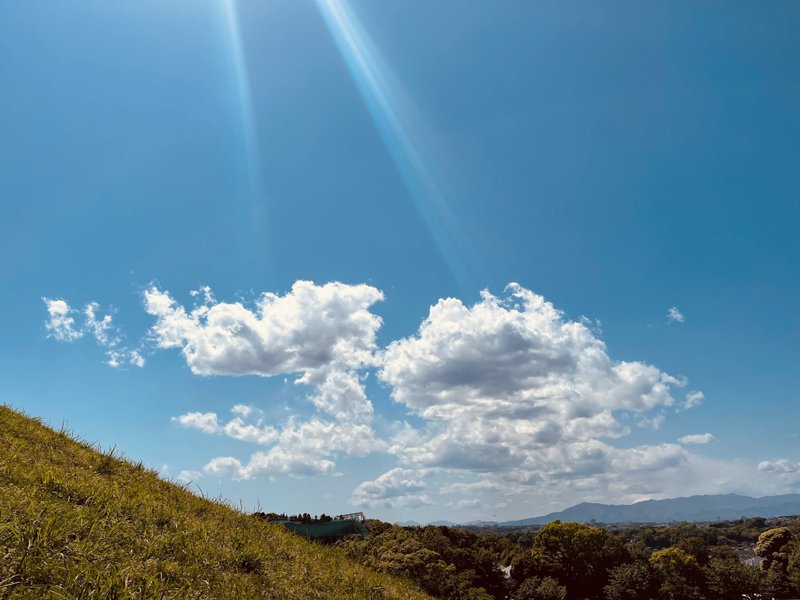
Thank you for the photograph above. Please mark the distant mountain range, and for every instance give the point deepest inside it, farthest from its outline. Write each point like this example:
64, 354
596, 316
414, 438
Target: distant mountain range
720, 507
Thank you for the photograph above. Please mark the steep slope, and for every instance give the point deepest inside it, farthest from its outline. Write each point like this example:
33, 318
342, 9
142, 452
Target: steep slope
75, 522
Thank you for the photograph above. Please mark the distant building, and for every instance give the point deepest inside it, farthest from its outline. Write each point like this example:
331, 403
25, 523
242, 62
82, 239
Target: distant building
356, 516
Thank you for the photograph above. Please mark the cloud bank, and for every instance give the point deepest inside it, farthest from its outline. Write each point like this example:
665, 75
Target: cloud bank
503, 399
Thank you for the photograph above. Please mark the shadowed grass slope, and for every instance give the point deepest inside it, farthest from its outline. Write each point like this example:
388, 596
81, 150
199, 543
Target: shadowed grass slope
78, 523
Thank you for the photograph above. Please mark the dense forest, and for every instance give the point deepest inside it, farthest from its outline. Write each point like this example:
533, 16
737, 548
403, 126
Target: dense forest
572, 561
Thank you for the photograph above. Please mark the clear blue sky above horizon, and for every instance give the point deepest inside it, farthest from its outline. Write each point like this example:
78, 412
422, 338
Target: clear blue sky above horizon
616, 159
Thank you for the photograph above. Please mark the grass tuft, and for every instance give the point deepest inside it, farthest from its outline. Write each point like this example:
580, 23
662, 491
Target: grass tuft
76, 522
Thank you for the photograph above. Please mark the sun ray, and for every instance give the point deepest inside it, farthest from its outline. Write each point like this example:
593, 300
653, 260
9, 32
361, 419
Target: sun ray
255, 193
402, 133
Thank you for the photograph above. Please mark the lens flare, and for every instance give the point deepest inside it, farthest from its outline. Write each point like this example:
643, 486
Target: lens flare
255, 194
402, 133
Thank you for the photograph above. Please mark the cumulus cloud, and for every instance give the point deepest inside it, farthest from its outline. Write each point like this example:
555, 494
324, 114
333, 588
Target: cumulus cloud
510, 385
308, 330
339, 393
302, 448
501, 396
297, 447
396, 488
205, 422
513, 393
699, 438
323, 334
224, 466
787, 472
675, 316
237, 428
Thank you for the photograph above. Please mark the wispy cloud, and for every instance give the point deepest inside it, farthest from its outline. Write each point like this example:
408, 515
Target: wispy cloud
693, 399
675, 316
60, 323
62, 326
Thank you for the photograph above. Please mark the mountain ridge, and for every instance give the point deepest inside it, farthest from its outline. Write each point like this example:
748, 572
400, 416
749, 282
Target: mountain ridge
706, 507
701, 507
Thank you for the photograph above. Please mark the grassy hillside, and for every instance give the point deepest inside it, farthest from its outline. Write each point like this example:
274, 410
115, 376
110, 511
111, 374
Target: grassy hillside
77, 523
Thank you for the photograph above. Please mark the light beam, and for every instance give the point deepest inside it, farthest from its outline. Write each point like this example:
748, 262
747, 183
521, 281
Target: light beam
403, 134
255, 193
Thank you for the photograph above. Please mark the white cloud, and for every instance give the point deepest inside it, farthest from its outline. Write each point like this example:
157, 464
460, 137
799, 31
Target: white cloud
136, 359
297, 447
123, 356
395, 488
60, 324
188, 476
306, 448
654, 422
244, 410
466, 504
470, 488
675, 316
101, 328
512, 392
504, 395
309, 329
510, 385
699, 438
325, 334
339, 393
205, 422
782, 465
693, 399
206, 293
224, 466
237, 429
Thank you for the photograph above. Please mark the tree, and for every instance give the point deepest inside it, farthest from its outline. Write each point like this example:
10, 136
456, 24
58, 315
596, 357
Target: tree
630, 582
730, 578
536, 588
696, 547
679, 575
578, 556
774, 546
771, 544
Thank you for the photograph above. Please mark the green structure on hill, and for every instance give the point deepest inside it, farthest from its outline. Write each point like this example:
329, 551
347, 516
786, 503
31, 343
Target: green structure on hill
328, 531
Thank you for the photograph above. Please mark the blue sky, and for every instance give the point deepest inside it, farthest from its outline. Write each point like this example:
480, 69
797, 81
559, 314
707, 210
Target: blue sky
616, 160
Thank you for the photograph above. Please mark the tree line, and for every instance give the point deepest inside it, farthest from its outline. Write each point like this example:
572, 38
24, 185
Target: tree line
306, 518
574, 561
